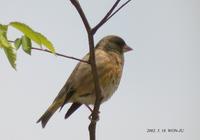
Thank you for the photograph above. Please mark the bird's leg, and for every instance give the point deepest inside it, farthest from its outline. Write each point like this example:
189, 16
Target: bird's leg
97, 117
90, 117
88, 107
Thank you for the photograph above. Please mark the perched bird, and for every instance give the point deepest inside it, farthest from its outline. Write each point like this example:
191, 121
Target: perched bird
79, 88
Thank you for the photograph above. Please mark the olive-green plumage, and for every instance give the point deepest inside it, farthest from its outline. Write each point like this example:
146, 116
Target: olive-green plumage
79, 88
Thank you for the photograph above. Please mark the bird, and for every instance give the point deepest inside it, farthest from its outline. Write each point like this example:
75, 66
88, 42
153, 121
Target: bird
79, 89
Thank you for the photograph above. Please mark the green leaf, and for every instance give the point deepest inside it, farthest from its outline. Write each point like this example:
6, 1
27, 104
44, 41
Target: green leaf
8, 48
4, 42
26, 44
3, 28
11, 55
46, 42
35, 36
26, 30
18, 43
3, 39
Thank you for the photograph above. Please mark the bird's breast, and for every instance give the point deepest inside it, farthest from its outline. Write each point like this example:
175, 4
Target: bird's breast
110, 80
109, 69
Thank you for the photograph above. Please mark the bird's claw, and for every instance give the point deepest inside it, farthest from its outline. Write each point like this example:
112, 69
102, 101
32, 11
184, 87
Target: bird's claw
94, 119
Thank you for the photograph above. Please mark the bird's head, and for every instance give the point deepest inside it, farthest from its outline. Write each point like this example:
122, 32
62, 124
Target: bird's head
113, 43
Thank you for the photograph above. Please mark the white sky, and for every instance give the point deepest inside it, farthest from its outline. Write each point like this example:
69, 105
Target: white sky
160, 85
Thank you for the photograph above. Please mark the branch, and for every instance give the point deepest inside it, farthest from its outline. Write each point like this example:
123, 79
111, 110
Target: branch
59, 54
103, 21
118, 10
109, 15
82, 14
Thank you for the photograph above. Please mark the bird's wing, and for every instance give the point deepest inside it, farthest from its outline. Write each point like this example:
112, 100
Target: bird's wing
69, 89
80, 82
82, 77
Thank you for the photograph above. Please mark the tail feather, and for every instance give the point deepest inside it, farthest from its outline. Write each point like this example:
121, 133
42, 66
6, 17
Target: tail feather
50, 111
61, 99
45, 118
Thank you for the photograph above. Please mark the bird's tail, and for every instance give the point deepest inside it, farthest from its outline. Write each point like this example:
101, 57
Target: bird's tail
47, 115
62, 98
58, 102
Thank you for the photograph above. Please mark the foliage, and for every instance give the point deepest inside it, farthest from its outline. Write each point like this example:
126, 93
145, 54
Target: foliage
29, 35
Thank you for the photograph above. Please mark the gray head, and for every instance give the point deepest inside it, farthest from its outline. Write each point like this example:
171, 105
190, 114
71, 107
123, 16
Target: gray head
114, 44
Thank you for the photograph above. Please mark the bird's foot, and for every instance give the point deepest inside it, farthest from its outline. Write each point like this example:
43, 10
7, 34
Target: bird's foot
96, 118
91, 118
90, 108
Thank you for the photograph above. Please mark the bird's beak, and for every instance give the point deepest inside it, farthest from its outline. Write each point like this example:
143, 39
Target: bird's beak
126, 48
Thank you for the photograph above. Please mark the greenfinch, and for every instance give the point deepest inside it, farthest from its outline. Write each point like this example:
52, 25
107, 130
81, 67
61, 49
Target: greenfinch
79, 88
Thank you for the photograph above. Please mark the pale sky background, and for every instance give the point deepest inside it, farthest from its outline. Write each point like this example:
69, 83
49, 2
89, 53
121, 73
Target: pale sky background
160, 87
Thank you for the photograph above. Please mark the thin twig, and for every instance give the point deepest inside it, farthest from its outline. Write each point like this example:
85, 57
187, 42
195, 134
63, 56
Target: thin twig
82, 14
118, 10
103, 21
59, 54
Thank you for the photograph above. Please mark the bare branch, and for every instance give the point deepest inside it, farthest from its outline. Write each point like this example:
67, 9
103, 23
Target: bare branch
109, 15
103, 21
59, 54
118, 10
82, 14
